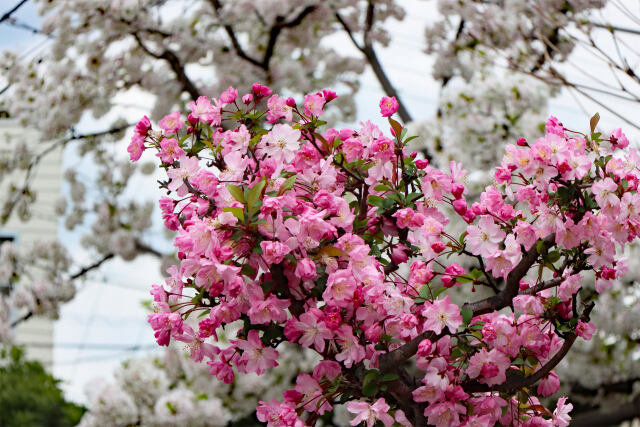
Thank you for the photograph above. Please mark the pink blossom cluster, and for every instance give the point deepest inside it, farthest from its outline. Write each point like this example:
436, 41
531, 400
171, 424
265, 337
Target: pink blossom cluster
298, 235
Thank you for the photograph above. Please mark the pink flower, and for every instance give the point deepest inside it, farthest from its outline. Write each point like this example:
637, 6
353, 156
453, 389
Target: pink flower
188, 167
312, 398
528, 304
352, 352
491, 366
222, 371
202, 110
618, 139
273, 252
484, 238
166, 325
260, 90
256, 357
171, 123
327, 369
143, 126
605, 192
549, 385
341, 286
440, 314
313, 105
369, 414
281, 143
306, 269
136, 147
561, 417
388, 106
278, 109
585, 330
569, 286
433, 389
313, 330
278, 414
329, 95
229, 95
170, 150
445, 414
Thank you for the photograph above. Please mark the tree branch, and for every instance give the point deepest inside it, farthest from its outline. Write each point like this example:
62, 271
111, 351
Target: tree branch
12, 11
372, 58
91, 267
389, 361
274, 32
517, 382
504, 298
175, 64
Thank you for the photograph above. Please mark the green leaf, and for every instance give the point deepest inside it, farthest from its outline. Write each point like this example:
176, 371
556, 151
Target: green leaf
412, 196
424, 292
376, 201
238, 212
463, 279
462, 236
467, 315
247, 270
411, 138
594, 121
369, 383
254, 196
438, 292
553, 256
287, 185
209, 144
476, 273
389, 377
236, 192
477, 326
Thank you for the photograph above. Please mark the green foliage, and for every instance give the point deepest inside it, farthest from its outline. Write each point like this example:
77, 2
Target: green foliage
29, 396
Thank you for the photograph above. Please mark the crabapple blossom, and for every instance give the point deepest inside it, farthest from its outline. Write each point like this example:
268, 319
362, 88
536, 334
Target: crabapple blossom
280, 248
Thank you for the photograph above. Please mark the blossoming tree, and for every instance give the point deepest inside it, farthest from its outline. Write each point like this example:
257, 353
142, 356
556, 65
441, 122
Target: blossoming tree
301, 235
102, 49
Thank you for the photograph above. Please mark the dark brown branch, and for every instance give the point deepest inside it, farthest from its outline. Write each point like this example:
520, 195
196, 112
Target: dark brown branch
517, 382
21, 319
274, 33
542, 286
146, 249
372, 58
175, 64
12, 11
504, 298
217, 6
392, 359
91, 267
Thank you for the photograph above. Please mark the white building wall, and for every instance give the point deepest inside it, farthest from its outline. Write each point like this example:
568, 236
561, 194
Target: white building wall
36, 334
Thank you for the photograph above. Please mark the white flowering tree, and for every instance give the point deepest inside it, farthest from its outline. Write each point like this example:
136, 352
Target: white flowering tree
497, 62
